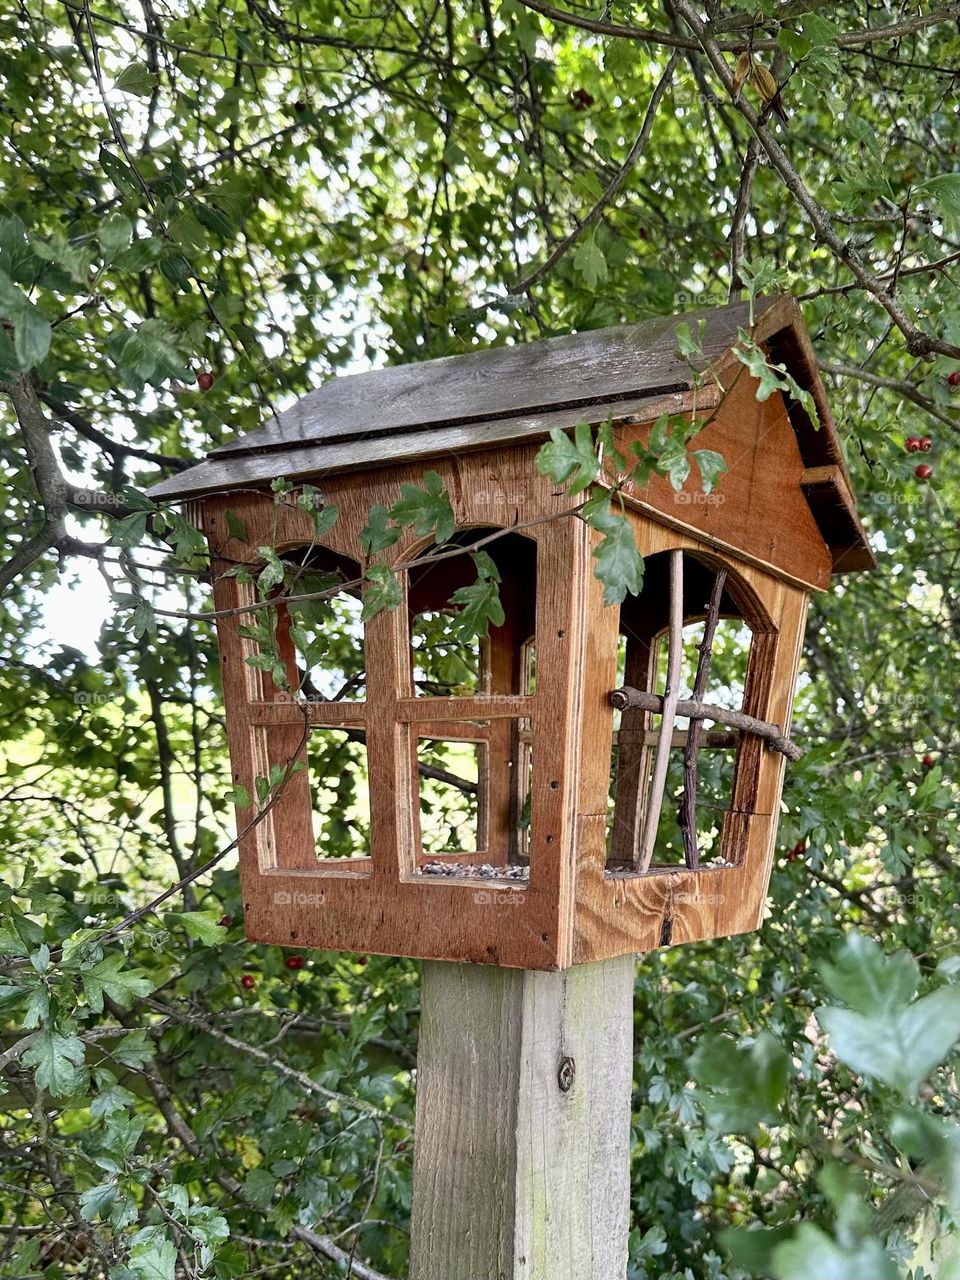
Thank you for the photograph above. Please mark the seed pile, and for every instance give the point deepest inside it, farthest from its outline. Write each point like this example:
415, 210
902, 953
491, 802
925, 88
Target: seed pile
482, 872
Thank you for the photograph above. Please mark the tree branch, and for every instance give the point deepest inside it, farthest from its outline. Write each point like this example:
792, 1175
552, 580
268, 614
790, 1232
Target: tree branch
918, 343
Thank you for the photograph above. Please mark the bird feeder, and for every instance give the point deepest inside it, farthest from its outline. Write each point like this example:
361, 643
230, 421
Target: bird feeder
618, 769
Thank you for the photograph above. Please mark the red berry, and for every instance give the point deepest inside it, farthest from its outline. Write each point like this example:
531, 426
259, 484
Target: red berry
928, 762
953, 379
580, 100
798, 850
912, 444
294, 962
205, 380
248, 982
923, 472
226, 921
926, 444
362, 959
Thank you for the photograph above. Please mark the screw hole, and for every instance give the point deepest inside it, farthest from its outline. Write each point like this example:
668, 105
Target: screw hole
554, 785
561, 634
549, 839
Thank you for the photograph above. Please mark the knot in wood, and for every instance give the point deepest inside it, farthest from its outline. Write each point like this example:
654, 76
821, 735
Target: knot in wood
566, 1074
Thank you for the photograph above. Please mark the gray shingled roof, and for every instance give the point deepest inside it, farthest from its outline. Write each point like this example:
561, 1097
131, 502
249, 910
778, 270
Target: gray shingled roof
468, 401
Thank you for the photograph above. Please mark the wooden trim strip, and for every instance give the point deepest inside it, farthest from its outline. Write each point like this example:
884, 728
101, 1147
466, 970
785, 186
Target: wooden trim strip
331, 715
490, 707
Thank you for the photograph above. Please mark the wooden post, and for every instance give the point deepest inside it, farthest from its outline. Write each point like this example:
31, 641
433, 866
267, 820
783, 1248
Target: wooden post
522, 1143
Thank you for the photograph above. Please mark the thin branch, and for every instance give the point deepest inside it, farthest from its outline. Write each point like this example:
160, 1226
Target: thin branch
738, 228
628, 697
613, 186
917, 342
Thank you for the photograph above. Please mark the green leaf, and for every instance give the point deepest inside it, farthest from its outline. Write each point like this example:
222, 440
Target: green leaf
811, 1253
589, 260
690, 347
155, 1260
743, 1085
377, 534
272, 574
96, 1202
945, 191
136, 78
57, 1060
110, 978
133, 1050
130, 531
427, 509
187, 539
901, 1048
115, 234
868, 980
480, 602
201, 925
31, 336
382, 591
143, 620
619, 565
711, 466
563, 457
935, 1143
235, 526
152, 353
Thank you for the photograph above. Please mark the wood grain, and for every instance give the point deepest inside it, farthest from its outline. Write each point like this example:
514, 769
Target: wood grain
522, 1142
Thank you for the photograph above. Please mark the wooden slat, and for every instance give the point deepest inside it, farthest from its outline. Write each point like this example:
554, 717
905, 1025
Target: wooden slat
490, 707
347, 715
570, 371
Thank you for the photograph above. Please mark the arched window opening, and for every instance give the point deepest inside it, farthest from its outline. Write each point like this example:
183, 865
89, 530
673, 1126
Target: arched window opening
326, 640
671, 788
474, 773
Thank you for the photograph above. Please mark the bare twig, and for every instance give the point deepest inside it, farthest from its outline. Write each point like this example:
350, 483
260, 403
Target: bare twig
627, 697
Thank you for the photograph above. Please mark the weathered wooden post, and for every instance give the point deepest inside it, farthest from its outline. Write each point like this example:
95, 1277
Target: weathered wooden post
522, 1147
574, 840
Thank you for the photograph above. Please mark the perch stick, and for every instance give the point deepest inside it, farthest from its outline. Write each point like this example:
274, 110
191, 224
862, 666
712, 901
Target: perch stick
627, 697
688, 813
668, 714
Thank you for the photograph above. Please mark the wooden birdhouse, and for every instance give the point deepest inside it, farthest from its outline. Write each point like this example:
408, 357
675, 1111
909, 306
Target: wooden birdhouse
588, 780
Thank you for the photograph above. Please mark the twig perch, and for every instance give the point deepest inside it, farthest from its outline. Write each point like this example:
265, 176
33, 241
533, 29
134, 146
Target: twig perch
688, 813
667, 706
770, 733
